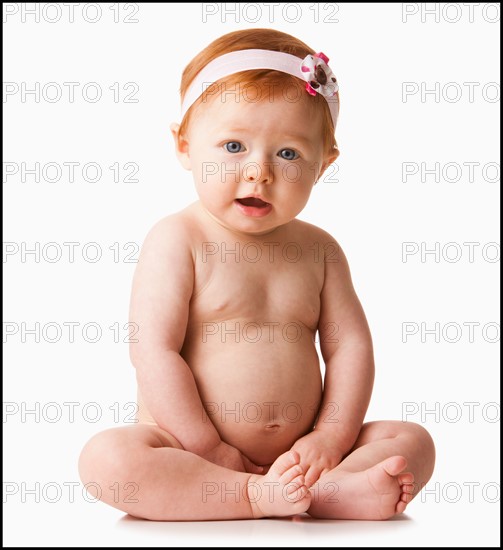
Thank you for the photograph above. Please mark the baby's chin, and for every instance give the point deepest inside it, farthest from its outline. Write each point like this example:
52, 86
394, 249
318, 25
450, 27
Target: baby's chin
244, 226
249, 228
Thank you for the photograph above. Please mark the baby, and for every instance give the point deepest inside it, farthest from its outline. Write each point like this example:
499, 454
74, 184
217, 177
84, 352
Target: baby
234, 419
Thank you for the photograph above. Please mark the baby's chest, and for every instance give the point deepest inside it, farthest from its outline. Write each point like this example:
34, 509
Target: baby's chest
284, 290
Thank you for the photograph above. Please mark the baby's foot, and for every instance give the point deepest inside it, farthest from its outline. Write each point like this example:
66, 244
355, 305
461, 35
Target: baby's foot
377, 493
282, 491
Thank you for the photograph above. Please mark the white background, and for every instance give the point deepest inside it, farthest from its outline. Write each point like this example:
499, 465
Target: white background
369, 209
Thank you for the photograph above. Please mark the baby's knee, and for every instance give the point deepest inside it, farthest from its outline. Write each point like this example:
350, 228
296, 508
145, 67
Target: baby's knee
421, 437
106, 457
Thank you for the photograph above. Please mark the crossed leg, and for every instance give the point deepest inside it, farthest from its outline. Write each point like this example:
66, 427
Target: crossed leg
144, 471
389, 464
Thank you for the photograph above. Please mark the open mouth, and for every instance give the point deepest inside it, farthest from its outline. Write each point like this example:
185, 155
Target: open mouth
253, 201
253, 206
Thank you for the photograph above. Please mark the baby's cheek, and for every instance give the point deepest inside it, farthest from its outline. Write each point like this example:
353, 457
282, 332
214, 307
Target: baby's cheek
314, 171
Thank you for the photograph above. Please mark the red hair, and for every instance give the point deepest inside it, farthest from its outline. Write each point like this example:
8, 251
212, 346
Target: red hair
265, 79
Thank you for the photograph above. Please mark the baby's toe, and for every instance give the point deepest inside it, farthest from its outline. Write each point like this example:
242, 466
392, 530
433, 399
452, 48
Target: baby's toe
298, 493
400, 507
295, 484
394, 465
407, 478
406, 497
291, 474
407, 488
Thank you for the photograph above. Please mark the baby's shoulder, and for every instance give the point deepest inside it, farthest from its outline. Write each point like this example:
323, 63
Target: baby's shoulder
310, 232
322, 244
173, 233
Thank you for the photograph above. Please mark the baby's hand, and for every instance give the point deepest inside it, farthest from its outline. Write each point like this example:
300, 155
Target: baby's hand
318, 455
229, 457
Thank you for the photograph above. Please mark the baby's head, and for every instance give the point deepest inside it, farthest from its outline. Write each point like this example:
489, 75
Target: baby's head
255, 118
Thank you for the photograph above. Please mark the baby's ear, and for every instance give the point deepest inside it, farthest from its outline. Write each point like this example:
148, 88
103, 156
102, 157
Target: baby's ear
181, 146
328, 161
332, 158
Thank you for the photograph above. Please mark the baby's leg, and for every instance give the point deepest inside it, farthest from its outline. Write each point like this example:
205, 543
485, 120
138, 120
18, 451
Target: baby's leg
388, 465
143, 471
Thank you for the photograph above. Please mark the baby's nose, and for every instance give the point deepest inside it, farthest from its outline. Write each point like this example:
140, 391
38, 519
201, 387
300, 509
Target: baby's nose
258, 172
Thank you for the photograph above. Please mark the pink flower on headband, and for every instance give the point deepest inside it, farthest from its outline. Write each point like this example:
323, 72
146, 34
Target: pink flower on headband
318, 75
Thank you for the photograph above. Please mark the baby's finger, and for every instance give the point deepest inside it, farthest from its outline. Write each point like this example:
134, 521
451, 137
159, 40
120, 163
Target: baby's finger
312, 476
250, 467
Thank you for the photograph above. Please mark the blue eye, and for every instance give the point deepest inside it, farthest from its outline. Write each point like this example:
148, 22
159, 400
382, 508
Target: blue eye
288, 154
233, 147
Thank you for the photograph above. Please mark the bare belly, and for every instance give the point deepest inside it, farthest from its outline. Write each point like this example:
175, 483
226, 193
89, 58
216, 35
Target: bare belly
260, 396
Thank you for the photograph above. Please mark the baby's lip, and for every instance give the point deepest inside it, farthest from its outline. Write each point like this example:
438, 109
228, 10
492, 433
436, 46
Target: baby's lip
253, 200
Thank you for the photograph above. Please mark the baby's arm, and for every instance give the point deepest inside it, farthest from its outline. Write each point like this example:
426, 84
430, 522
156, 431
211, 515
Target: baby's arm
346, 346
162, 289
161, 292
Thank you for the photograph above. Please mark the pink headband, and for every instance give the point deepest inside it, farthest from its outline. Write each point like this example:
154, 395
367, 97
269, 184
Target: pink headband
313, 69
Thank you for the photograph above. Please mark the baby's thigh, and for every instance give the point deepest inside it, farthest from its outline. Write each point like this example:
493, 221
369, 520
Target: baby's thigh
120, 451
149, 434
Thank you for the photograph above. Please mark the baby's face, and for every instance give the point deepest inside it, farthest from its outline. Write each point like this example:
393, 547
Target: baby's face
254, 164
